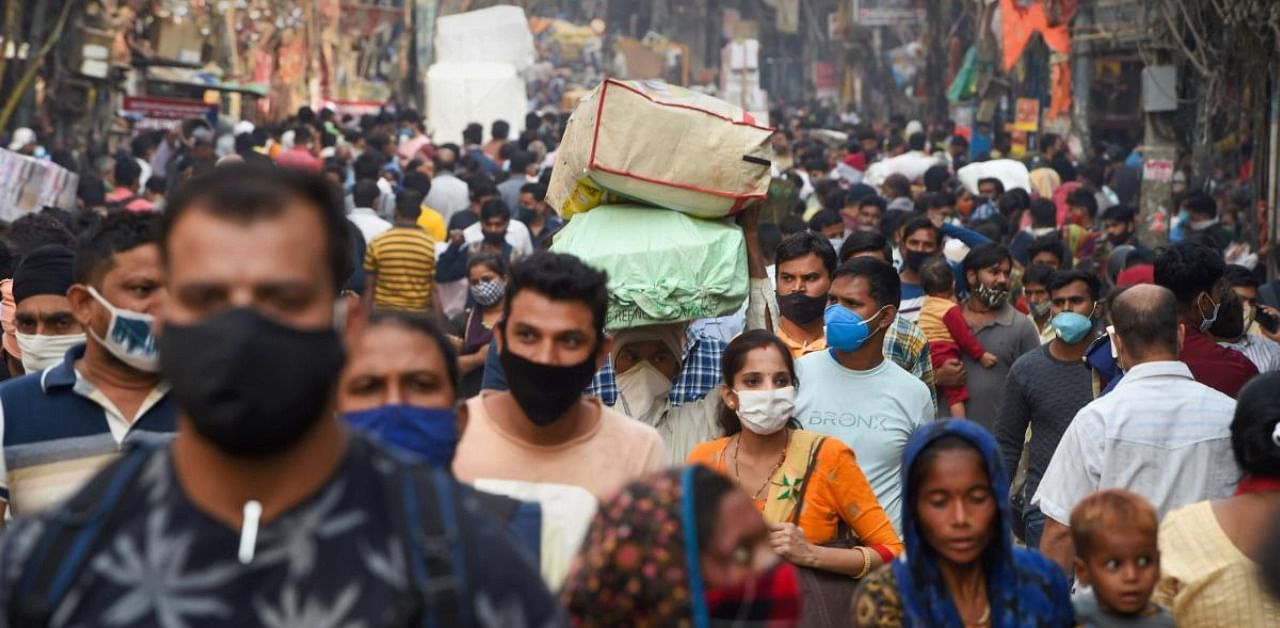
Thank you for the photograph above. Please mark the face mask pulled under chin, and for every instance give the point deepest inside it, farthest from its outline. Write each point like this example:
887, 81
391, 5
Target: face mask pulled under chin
643, 393
41, 352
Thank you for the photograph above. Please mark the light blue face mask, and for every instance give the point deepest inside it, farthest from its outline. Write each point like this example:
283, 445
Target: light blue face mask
1071, 327
846, 330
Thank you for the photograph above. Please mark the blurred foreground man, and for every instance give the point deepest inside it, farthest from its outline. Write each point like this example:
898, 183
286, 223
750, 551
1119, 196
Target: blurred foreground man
265, 510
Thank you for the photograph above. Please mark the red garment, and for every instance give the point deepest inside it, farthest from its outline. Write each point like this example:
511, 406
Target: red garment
1134, 275
1256, 484
960, 332
857, 161
940, 352
138, 204
300, 158
1217, 367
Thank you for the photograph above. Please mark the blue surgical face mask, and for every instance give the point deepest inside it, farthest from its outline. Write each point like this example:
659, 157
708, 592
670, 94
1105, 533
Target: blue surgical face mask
429, 432
1071, 327
846, 330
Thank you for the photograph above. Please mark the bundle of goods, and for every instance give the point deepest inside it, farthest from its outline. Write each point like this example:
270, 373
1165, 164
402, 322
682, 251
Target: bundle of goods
663, 266
662, 145
649, 175
911, 165
1011, 173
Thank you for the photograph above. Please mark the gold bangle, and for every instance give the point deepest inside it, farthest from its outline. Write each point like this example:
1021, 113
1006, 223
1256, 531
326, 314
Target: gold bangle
866, 562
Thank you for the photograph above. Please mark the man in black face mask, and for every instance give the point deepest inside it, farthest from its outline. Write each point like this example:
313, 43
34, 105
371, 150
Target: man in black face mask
805, 263
921, 239
264, 504
543, 430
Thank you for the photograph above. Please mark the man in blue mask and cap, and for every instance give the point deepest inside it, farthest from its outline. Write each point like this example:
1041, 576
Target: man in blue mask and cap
851, 391
63, 424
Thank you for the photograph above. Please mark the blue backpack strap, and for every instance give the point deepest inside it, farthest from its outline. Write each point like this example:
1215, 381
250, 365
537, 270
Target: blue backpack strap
68, 541
433, 534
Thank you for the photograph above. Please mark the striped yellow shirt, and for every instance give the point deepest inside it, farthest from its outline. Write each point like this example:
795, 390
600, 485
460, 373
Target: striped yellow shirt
404, 262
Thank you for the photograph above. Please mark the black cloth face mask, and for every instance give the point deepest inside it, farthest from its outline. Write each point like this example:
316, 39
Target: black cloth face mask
801, 308
250, 385
545, 392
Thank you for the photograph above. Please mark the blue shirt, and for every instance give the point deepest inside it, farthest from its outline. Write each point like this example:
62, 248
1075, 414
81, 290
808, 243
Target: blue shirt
698, 377
59, 430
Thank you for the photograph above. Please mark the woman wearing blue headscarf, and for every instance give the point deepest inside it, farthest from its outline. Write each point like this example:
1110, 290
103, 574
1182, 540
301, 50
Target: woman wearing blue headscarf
960, 567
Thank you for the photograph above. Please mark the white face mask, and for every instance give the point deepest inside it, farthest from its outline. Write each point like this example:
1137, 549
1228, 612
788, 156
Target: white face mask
764, 412
129, 336
41, 352
642, 393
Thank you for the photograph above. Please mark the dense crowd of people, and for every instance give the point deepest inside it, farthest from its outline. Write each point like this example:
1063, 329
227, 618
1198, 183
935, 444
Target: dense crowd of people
327, 373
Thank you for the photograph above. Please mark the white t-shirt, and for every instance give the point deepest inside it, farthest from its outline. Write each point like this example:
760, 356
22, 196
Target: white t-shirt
874, 412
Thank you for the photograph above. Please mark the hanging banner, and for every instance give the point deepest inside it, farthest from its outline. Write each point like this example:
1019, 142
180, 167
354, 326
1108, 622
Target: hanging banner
887, 12
168, 113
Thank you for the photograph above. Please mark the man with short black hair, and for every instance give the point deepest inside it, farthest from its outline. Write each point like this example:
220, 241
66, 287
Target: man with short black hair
1048, 250
805, 264
537, 215
904, 343
991, 188
1119, 223
1232, 329
1000, 328
278, 505
365, 195
544, 431
1046, 387
127, 192
401, 262
852, 392
1194, 273
921, 239
303, 154
1082, 207
62, 425
1204, 223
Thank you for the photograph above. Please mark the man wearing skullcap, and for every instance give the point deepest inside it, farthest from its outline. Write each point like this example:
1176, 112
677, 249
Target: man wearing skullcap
42, 315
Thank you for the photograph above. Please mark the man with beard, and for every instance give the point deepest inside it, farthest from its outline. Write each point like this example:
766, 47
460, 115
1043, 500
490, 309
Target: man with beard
265, 509
1000, 328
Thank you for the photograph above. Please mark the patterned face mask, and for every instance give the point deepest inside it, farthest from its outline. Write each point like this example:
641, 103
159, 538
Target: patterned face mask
487, 293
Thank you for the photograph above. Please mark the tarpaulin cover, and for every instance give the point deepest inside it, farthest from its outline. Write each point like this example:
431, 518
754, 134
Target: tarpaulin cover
663, 266
664, 145
459, 93
499, 34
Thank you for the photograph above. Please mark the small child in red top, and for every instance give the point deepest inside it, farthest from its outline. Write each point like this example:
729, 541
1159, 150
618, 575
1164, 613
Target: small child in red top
942, 322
